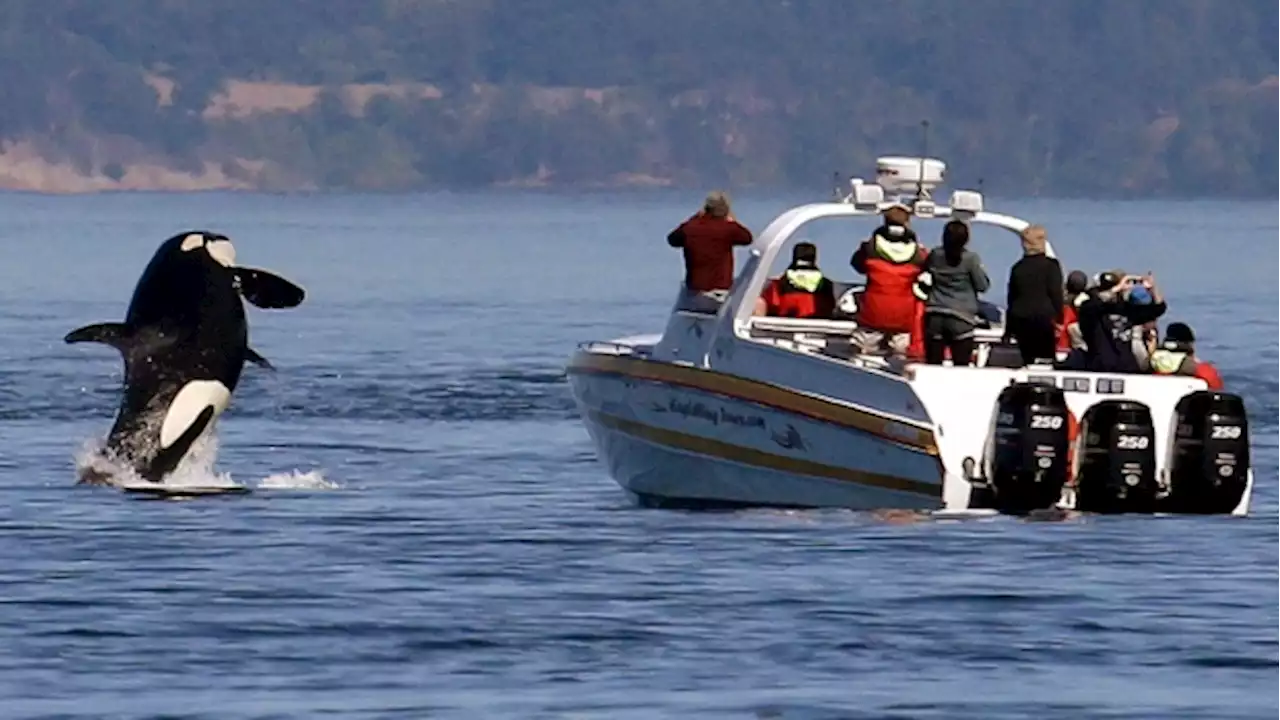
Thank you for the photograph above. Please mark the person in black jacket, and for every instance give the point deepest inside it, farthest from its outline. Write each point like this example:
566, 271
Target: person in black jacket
1107, 319
1035, 299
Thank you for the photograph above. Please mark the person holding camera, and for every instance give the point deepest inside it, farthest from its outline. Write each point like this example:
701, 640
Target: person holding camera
1116, 305
707, 240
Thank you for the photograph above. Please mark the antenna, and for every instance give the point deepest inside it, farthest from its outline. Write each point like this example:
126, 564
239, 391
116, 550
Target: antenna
835, 183
924, 131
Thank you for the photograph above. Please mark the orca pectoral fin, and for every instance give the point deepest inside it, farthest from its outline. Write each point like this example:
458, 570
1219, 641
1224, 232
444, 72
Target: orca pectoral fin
114, 334
267, 290
256, 359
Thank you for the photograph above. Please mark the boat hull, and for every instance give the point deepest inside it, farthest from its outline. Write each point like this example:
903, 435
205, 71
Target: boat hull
671, 445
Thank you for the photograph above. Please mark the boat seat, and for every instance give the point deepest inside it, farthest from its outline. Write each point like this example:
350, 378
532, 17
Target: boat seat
840, 289
990, 315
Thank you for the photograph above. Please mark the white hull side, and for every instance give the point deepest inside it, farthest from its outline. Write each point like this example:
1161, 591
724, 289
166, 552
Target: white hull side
655, 451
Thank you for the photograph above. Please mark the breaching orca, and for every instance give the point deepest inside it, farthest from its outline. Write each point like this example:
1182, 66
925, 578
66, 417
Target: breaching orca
184, 342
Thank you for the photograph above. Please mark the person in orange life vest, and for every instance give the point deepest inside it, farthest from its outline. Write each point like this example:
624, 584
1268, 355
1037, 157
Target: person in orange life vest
1177, 356
801, 291
1069, 336
891, 259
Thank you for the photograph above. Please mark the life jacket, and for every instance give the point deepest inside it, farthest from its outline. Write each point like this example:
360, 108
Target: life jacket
1175, 359
1069, 318
915, 349
796, 294
1073, 432
894, 261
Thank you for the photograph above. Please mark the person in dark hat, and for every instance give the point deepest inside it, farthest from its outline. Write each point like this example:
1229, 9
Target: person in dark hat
1176, 355
1107, 319
1069, 337
802, 291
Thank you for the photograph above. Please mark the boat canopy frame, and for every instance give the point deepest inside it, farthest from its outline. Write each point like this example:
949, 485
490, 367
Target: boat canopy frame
766, 247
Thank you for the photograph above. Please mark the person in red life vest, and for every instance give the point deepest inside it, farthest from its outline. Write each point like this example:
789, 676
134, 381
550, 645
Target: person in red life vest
891, 259
1069, 337
801, 291
1177, 356
708, 239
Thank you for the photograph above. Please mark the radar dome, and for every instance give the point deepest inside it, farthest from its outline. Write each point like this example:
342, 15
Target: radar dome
906, 174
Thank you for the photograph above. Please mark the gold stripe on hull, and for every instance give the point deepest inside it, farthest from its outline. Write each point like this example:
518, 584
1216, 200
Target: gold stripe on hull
760, 459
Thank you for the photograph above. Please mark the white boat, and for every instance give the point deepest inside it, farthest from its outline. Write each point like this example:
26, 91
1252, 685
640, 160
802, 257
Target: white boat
734, 409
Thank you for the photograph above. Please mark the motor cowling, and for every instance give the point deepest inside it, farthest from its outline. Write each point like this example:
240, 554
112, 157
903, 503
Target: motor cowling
1117, 472
1209, 464
1029, 463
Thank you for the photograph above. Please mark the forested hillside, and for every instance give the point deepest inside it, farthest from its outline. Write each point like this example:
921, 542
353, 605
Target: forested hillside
1055, 97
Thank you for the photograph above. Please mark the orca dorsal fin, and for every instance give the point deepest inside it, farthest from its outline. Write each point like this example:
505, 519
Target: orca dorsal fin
266, 289
252, 356
115, 334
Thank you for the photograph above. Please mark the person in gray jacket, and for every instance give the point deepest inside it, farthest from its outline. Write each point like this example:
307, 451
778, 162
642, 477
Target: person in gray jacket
953, 278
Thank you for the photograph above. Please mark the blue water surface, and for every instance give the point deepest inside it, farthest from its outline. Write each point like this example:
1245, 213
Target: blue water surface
433, 536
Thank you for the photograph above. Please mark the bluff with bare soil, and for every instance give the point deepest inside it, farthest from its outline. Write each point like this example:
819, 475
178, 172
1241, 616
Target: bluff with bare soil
1061, 97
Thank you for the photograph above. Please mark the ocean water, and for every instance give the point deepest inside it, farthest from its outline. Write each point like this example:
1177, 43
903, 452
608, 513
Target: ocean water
432, 535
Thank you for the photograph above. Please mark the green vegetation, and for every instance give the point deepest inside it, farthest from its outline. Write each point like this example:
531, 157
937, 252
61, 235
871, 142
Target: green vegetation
1062, 97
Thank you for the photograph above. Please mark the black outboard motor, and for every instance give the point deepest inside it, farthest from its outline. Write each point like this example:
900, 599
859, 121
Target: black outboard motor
1029, 463
1209, 468
1118, 459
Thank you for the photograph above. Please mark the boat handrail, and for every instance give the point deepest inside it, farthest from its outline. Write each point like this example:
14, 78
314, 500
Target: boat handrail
611, 347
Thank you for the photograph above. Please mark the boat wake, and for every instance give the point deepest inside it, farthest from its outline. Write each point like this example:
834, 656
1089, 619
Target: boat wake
97, 465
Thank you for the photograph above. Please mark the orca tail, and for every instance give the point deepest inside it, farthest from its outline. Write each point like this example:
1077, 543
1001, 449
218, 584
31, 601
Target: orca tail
267, 290
114, 334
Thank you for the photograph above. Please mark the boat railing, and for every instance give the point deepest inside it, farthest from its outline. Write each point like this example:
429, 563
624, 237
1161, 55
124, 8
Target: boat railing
612, 348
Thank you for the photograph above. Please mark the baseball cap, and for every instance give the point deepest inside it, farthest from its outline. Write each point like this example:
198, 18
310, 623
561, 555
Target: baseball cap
1179, 333
1108, 279
804, 254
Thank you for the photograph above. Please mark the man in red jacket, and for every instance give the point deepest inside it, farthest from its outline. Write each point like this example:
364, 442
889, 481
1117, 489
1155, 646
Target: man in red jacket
892, 259
707, 240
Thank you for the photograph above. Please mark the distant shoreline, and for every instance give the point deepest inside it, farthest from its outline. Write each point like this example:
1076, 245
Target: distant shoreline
560, 189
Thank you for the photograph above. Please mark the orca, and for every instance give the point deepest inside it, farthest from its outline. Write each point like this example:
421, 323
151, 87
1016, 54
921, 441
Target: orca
185, 341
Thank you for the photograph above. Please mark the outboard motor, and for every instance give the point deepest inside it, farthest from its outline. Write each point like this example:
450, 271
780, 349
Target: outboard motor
1029, 453
1209, 466
1118, 461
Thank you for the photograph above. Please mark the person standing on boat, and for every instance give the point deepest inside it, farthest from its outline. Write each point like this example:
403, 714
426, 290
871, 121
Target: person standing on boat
708, 239
802, 291
1034, 305
1177, 356
891, 259
1107, 319
953, 278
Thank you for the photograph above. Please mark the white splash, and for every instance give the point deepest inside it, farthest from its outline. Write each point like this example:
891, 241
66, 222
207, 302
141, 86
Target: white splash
195, 470
297, 480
